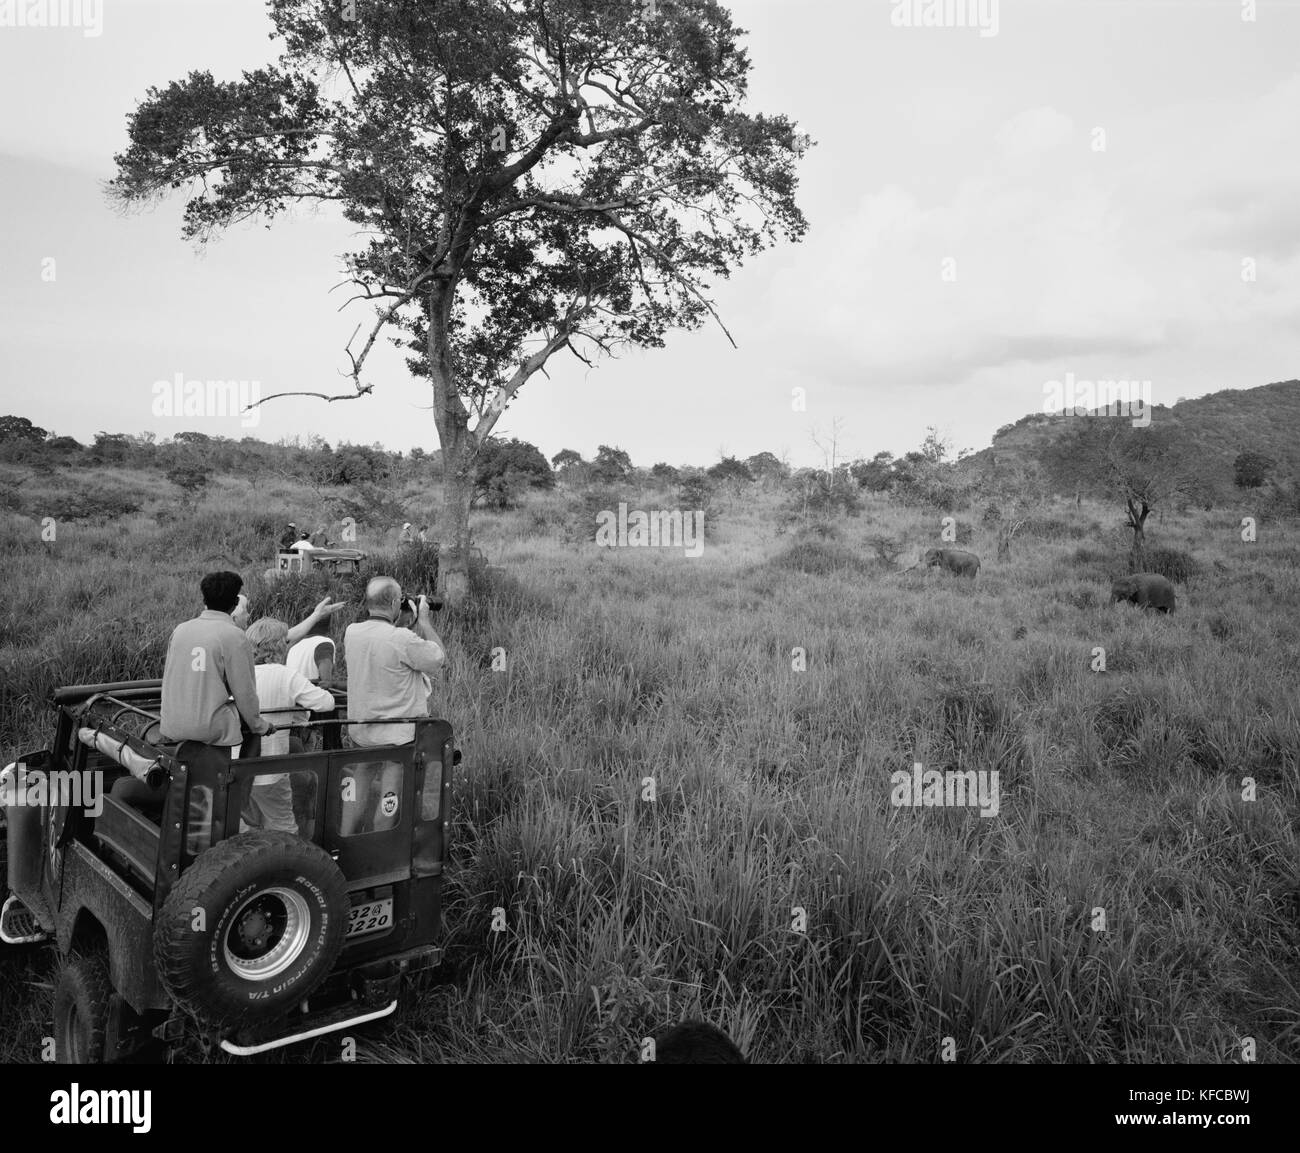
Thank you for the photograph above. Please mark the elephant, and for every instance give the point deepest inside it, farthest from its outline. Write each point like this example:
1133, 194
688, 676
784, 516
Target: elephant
954, 560
1148, 589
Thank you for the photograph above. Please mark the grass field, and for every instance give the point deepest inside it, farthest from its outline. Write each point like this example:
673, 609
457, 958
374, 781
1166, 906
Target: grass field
1121, 791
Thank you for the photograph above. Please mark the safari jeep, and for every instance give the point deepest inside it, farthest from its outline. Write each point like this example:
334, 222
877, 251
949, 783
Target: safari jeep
166, 914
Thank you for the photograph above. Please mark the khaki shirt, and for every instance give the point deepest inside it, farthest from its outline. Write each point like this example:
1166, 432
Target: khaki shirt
385, 679
209, 661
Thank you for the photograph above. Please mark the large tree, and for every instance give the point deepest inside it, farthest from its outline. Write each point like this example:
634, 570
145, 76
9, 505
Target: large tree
530, 176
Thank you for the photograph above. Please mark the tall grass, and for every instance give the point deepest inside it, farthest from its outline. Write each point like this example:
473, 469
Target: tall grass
770, 886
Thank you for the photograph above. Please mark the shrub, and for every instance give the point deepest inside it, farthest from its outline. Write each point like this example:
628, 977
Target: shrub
611, 465
94, 505
815, 557
818, 494
1250, 469
190, 479
504, 469
1084, 598
729, 468
888, 549
580, 522
694, 490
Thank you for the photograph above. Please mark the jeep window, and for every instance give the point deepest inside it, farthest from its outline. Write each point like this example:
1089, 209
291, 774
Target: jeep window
279, 801
198, 823
371, 793
431, 794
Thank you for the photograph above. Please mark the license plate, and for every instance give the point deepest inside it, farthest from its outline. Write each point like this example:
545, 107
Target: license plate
372, 917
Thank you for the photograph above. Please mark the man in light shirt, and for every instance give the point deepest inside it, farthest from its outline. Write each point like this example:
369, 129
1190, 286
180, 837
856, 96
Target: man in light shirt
386, 671
208, 685
208, 680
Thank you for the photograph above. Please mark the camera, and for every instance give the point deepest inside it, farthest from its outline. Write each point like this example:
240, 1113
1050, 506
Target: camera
411, 603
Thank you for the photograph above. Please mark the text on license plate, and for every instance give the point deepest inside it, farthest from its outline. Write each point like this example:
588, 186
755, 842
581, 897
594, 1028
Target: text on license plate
370, 917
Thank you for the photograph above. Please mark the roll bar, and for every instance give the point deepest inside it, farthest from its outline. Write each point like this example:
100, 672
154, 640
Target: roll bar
71, 693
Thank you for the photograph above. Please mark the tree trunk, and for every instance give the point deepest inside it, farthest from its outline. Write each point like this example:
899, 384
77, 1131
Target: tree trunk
453, 567
458, 450
1137, 520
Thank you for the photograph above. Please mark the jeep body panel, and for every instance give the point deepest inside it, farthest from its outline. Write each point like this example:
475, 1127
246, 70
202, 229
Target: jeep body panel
125, 918
103, 876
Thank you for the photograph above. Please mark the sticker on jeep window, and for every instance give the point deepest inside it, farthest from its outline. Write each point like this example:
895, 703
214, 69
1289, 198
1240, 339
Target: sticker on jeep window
389, 804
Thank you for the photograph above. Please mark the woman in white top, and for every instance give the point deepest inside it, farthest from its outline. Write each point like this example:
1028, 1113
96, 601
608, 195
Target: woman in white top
313, 656
285, 694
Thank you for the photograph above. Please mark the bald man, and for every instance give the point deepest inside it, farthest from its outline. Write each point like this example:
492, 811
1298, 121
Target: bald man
386, 670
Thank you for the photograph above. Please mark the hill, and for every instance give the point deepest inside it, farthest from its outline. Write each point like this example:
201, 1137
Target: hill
1214, 428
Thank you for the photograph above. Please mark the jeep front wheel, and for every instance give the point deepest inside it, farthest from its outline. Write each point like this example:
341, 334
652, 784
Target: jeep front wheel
81, 1008
251, 928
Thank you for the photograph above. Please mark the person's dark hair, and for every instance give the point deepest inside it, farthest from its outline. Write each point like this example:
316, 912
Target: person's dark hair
221, 590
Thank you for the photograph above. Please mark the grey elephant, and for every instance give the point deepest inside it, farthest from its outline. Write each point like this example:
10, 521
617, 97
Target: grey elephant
1147, 589
954, 560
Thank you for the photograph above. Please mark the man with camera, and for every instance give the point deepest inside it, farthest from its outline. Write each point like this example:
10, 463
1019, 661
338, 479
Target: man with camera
387, 667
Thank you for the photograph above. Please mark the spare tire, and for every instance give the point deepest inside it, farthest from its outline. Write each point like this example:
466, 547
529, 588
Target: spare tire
253, 926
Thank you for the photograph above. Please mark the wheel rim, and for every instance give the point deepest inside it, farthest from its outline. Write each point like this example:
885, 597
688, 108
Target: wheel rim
267, 934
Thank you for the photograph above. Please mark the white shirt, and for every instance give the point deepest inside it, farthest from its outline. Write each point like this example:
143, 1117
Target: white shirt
279, 687
302, 656
303, 545
385, 679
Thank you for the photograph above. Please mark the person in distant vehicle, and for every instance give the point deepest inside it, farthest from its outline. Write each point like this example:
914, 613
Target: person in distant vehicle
424, 534
319, 538
386, 679
406, 536
303, 544
283, 693
289, 535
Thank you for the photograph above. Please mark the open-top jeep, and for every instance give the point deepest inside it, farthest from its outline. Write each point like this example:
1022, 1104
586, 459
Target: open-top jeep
167, 913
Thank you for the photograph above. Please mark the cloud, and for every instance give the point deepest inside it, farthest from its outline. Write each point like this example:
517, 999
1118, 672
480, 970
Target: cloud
1058, 252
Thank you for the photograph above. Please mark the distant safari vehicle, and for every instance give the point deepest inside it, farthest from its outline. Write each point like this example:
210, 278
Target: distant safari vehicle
302, 561
172, 916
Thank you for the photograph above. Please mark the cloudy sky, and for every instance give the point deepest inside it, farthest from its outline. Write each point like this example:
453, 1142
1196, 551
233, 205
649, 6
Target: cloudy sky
1078, 193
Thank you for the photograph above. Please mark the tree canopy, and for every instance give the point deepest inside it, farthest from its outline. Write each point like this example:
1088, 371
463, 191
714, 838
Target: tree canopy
527, 175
